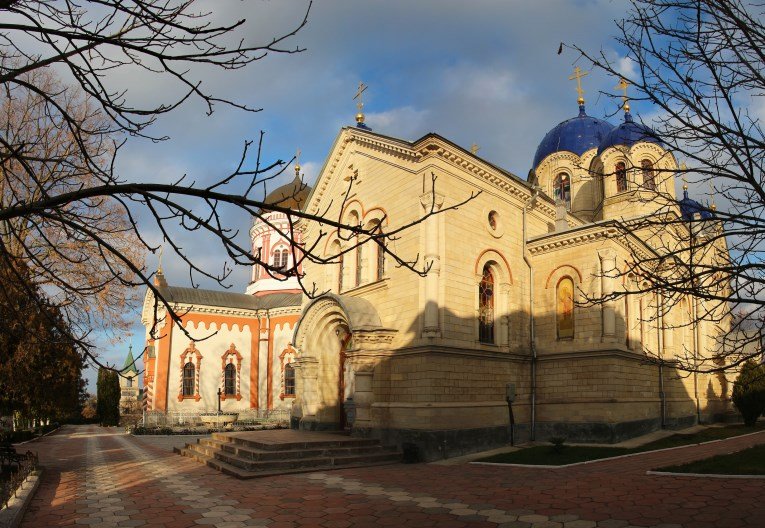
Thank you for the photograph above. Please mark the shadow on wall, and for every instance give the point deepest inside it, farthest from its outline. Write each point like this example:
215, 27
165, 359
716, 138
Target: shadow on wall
446, 394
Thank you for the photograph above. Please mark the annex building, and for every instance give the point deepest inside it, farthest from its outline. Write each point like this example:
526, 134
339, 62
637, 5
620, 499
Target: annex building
431, 359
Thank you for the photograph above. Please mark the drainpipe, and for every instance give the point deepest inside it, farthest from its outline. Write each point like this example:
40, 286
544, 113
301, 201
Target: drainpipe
532, 340
660, 333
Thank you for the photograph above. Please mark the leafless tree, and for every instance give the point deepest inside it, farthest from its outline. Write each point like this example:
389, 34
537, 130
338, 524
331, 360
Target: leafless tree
700, 63
66, 208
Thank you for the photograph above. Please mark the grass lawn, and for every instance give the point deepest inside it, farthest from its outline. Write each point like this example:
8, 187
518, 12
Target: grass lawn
570, 454
748, 462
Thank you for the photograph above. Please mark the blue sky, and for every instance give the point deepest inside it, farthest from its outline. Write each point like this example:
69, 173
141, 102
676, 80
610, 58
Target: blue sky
484, 72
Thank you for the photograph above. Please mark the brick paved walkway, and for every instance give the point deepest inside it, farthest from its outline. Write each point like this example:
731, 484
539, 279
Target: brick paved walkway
100, 477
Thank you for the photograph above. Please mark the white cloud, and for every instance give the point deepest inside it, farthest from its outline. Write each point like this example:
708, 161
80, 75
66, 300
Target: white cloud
404, 122
626, 67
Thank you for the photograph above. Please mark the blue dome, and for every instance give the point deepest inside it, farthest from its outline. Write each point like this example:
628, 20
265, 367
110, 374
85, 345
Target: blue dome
629, 133
578, 135
689, 207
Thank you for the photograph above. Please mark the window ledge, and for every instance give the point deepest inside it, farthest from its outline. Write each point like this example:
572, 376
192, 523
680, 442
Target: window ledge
368, 287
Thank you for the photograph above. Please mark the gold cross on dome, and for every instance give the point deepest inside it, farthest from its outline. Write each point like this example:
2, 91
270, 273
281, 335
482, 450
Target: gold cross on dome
159, 264
578, 74
362, 88
623, 84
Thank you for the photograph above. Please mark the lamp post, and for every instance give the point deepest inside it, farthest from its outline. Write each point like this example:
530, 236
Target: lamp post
219, 395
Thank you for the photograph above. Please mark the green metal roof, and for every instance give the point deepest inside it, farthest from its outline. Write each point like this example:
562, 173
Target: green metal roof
129, 364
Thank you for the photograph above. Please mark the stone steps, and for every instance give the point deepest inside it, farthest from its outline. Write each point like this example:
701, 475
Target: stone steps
248, 457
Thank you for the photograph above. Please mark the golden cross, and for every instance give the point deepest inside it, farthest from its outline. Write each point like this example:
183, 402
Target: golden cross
684, 168
360, 104
297, 157
578, 74
623, 84
474, 149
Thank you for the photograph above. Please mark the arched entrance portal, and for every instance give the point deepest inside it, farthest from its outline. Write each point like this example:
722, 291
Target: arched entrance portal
331, 337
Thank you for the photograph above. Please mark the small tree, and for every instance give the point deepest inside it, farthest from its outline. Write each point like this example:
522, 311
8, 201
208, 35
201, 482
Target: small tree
108, 390
749, 392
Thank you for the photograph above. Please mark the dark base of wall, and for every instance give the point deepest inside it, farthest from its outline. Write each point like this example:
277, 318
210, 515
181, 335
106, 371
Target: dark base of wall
311, 425
441, 444
608, 433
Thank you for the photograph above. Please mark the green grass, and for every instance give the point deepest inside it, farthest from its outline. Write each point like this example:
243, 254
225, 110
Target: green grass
748, 462
546, 456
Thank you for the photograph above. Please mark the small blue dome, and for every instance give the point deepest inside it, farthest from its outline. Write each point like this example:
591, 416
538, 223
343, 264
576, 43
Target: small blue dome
629, 133
689, 207
578, 135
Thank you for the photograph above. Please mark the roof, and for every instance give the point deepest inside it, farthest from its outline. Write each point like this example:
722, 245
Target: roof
200, 297
689, 207
578, 135
629, 133
293, 195
129, 362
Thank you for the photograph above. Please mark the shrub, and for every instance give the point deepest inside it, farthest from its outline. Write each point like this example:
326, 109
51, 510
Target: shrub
749, 392
108, 393
558, 443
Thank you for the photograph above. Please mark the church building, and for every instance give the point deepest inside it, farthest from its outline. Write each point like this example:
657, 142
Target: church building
501, 314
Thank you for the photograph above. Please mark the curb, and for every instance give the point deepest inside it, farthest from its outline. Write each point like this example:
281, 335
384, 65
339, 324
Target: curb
11, 516
703, 475
36, 438
563, 466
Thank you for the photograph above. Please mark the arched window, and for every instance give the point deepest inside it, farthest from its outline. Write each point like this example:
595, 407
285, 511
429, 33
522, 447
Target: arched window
188, 379
565, 308
340, 272
229, 380
359, 267
381, 260
562, 189
486, 306
493, 220
621, 177
649, 175
289, 380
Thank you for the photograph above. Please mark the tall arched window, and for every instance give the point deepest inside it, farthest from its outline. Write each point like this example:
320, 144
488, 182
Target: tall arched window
359, 264
340, 272
381, 260
562, 189
188, 379
289, 380
229, 380
565, 308
621, 177
486, 306
649, 175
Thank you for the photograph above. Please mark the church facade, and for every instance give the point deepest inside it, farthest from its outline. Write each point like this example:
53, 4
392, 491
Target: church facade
501, 313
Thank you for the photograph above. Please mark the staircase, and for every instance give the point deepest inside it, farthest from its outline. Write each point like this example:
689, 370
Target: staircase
266, 453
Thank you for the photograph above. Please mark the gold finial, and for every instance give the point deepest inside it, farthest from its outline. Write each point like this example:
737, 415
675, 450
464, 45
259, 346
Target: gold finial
712, 206
159, 264
578, 74
297, 163
474, 149
360, 104
623, 84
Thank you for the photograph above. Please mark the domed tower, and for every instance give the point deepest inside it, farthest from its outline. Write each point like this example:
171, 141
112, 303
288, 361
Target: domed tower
562, 161
637, 170
270, 235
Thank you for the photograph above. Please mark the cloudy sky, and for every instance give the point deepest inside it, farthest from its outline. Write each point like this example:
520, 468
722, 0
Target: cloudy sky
484, 72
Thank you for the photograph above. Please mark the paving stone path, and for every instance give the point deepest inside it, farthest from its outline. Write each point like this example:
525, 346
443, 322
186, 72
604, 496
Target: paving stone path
101, 477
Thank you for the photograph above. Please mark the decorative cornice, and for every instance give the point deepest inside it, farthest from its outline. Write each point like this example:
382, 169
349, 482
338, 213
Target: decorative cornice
570, 238
585, 235
428, 147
